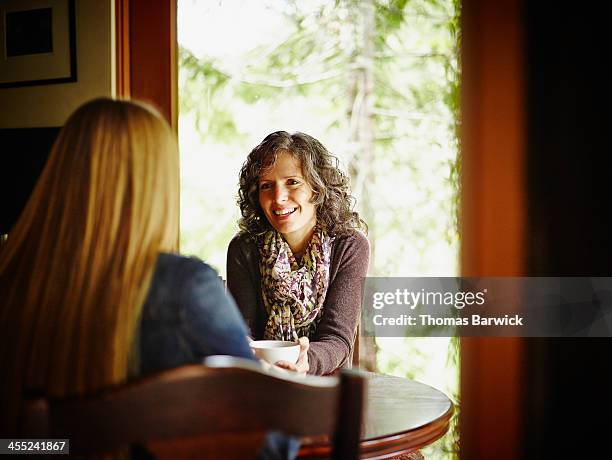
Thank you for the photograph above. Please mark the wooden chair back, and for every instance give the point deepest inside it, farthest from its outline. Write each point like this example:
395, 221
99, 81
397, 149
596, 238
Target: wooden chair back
226, 398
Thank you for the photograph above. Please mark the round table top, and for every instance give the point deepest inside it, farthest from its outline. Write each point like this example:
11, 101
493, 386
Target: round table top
400, 416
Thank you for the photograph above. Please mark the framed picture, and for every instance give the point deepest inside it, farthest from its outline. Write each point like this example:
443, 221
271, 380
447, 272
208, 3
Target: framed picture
37, 42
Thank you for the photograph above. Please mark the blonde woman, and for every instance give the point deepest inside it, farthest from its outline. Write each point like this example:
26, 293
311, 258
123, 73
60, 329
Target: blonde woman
90, 292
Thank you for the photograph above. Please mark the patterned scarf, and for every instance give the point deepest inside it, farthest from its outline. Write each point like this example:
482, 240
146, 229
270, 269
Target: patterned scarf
293, 295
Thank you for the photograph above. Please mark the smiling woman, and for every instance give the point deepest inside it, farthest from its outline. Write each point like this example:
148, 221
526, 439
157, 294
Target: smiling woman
296, 267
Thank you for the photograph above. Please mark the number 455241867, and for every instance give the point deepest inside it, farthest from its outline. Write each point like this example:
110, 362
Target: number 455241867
46, 446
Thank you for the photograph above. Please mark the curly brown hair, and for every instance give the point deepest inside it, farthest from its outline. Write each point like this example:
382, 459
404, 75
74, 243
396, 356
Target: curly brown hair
331, 192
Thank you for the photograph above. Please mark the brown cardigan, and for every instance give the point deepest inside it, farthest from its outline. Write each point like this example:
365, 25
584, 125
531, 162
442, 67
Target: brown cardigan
332, 345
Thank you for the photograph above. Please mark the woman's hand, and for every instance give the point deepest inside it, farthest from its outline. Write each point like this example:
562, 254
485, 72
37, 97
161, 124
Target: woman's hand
301, 366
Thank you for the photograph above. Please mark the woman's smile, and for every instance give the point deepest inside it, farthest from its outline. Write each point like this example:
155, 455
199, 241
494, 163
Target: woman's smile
284, 212
282, 216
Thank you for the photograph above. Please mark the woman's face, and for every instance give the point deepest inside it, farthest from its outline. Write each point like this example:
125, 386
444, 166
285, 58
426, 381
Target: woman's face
285, 198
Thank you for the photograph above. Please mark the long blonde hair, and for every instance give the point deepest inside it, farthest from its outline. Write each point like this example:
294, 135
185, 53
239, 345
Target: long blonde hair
76, 267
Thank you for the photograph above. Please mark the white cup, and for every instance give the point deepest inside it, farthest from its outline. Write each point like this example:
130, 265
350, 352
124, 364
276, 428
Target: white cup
272, 351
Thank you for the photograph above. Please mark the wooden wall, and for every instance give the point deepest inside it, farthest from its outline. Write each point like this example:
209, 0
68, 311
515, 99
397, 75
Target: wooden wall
537, 169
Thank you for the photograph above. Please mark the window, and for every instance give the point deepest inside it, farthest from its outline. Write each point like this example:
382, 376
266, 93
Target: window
377, 83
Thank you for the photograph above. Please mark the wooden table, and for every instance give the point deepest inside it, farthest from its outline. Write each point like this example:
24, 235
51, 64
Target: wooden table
401, 416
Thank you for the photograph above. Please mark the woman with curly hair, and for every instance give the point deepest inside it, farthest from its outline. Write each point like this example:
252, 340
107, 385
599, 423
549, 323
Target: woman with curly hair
296, 267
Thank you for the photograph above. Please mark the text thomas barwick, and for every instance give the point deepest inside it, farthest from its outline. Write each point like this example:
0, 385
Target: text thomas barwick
428, 320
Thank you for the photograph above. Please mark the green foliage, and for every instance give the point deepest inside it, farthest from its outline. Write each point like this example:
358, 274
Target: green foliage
202, 84
390, 15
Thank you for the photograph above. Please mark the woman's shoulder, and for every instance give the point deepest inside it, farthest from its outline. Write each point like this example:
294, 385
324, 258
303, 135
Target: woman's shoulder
175, 279
351, 250
242, 243
180, 260
243, 238
353, 240
171, 266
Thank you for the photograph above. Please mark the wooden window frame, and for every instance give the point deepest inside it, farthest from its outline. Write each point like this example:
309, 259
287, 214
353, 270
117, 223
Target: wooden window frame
146, 54
493, 217
493, 182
